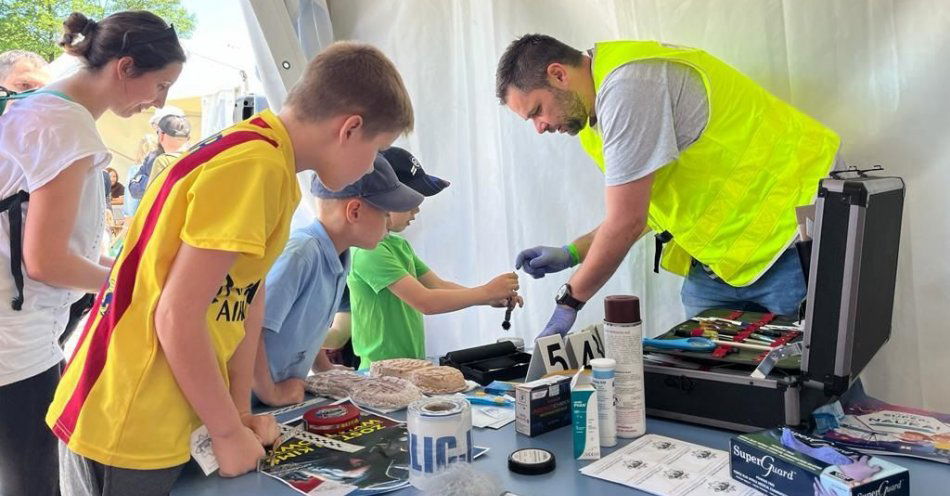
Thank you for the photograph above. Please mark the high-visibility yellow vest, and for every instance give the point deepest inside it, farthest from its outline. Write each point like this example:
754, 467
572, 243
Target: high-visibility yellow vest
729, 198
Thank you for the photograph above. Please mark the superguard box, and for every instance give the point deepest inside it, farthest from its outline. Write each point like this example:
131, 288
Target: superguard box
782, 462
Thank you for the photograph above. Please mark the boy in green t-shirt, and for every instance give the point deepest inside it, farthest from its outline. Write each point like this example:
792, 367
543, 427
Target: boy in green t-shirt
391, 288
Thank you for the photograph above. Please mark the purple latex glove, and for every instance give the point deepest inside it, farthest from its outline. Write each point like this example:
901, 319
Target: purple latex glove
542, 260
825, 453
860, 470
561, 321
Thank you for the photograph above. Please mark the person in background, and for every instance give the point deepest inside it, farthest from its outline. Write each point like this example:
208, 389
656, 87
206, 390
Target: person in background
306, 284
51, 163
162, 112
147, 145
172, 132
391, 288
21, 71
149, 149
116, 189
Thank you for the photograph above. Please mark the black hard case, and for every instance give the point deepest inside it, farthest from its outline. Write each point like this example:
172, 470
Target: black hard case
850, 300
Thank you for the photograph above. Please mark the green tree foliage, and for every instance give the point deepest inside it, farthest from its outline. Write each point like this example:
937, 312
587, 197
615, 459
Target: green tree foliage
37, 25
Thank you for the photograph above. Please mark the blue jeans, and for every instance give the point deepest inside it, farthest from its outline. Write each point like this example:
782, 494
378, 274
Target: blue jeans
780, 290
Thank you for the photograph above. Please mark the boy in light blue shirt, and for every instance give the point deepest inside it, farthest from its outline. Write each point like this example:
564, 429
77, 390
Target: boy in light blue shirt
306, 283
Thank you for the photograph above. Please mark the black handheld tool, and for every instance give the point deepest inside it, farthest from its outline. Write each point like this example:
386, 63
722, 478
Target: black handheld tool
506, 324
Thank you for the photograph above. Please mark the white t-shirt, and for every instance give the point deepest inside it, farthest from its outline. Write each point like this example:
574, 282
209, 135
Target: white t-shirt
39, 137
648, 112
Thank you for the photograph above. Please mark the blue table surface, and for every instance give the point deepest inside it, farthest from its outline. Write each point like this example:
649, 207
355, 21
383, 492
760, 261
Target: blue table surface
926, 478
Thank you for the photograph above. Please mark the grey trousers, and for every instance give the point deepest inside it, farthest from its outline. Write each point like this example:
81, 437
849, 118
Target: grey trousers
80, 476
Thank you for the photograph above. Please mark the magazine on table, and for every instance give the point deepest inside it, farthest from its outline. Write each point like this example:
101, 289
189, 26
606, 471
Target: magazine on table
377, 461
875, 427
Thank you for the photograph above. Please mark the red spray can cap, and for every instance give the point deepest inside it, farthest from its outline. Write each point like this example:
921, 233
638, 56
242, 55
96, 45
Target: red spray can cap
622, 309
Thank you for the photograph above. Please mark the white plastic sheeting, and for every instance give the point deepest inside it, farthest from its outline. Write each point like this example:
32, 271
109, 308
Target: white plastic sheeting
873, 70
511, 189
217, 111
284, 36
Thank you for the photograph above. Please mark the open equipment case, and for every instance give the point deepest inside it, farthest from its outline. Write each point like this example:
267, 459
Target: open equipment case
849, 304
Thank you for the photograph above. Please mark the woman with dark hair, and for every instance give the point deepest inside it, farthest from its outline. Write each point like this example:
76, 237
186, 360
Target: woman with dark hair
51, 163
116, 189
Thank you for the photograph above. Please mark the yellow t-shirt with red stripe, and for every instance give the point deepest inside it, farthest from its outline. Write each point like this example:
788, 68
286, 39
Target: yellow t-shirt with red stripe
118, 402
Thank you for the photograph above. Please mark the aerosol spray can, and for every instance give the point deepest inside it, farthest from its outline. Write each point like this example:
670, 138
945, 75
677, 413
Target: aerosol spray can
623, 340
603, 381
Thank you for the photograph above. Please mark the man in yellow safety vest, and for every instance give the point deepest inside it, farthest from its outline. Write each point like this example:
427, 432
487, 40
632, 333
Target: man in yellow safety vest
691, 149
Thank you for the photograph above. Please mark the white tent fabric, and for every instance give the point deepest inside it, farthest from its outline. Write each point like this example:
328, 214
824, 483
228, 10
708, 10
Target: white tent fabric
217, 111
511, 189
869, 70
280, 59
284, 36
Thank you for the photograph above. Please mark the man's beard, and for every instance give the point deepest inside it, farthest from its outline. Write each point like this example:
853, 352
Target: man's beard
574, 114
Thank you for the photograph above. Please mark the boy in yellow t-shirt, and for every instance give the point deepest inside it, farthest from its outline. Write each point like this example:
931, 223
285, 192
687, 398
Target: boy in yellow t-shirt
172, 343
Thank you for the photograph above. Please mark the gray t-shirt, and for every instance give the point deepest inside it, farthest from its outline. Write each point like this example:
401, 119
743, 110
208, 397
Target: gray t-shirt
647, 113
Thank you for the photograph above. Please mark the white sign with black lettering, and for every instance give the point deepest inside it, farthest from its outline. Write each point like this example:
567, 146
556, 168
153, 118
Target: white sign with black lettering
550, 355
584, 345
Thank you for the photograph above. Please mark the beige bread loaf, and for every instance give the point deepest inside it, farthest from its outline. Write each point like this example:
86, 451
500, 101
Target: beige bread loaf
335, 383
438, 380
385, 392
397, 367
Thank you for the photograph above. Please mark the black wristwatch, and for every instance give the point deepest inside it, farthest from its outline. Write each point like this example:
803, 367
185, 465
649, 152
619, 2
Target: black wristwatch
564, 297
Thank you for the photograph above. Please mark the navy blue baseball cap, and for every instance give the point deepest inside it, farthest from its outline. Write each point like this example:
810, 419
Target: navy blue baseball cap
380, 188
410, 172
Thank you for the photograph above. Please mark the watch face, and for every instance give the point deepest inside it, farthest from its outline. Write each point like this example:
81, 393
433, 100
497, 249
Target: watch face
562, 292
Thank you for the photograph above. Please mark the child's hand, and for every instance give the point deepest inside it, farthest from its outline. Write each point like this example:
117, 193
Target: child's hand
237, 453
502, 287
286, 392
264, 427
505, 302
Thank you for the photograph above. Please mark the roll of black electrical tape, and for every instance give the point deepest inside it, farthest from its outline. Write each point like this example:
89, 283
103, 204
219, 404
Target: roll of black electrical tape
531, 461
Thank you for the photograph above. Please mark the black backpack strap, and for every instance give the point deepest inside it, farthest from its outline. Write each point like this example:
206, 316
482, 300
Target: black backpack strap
13, 205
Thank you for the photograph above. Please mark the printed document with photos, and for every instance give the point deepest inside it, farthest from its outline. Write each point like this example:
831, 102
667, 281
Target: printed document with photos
669, 467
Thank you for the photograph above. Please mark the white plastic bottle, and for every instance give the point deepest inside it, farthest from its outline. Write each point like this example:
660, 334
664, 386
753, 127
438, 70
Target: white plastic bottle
603, 381
623, 340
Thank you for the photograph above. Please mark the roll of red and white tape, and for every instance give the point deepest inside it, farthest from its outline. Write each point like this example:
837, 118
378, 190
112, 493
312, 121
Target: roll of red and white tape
332, 419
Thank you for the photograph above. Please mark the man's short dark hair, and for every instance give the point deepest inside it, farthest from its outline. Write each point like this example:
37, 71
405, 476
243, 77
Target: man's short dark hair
525, 62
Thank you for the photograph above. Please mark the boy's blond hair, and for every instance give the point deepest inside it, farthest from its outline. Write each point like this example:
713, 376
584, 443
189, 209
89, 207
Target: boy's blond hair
353, 78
